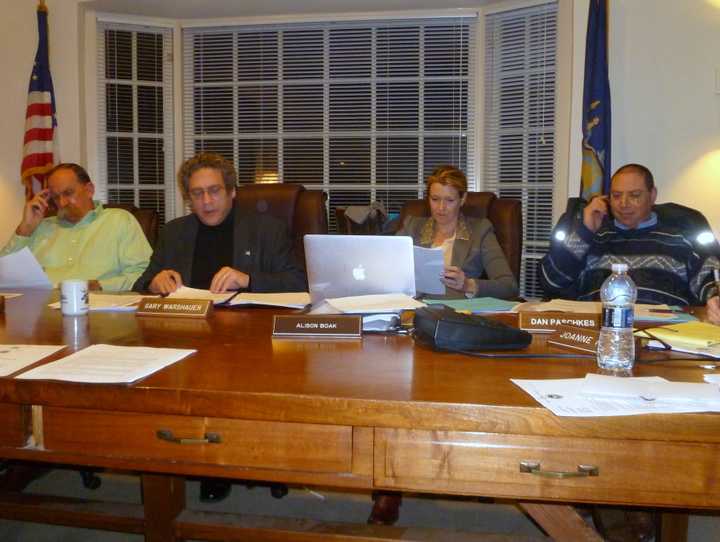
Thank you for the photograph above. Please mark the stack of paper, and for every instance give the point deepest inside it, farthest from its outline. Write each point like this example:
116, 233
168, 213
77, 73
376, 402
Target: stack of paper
374, 304
600, 395
643, 312
292, 300
185, 292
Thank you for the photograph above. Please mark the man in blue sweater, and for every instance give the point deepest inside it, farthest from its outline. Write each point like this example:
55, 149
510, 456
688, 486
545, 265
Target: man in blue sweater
669, 265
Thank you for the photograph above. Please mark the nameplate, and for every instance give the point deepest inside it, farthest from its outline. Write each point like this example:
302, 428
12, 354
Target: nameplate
189, 308
547, 322
329, 326
575, 338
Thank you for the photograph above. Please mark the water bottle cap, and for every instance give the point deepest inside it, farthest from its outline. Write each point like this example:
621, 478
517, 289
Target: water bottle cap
619, 268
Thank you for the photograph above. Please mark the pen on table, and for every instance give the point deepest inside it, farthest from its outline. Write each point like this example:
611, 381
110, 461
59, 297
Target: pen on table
666, 311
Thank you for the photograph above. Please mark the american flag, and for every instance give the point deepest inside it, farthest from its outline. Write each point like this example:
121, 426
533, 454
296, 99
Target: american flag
40, 144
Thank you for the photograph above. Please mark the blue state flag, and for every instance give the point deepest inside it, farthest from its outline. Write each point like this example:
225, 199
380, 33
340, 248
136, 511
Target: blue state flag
596, 105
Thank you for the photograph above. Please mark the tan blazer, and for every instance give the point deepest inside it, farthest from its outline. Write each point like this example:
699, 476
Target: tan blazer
475, 250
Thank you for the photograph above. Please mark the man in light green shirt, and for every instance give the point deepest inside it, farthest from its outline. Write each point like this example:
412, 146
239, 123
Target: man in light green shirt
107, 247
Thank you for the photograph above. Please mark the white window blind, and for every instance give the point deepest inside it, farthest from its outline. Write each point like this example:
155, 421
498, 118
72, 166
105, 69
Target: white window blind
362, 110
519, 131
135, 117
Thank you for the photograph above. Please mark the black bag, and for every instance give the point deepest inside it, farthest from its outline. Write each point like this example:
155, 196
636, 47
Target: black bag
441, 327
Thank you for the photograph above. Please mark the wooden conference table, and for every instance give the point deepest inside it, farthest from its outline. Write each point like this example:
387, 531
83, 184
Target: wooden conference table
376, 413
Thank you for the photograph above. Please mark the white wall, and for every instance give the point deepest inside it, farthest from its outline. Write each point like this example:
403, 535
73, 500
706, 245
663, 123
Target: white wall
665, 107
663, 57
18, 42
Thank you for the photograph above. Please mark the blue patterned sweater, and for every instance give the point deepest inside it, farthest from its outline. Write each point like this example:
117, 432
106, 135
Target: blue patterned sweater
662, 260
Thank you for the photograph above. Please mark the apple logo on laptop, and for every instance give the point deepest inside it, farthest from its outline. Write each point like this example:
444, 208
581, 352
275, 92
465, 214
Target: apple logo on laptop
358, 272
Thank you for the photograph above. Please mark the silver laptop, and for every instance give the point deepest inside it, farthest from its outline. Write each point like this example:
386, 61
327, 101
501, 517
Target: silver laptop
349, 265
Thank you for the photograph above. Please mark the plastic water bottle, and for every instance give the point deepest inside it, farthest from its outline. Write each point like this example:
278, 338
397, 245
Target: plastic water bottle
616, 346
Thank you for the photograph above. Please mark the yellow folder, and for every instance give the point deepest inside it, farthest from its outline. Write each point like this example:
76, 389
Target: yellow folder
694, 333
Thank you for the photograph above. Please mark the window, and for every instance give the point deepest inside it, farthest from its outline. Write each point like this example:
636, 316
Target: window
519, 131
363, 110
135, 117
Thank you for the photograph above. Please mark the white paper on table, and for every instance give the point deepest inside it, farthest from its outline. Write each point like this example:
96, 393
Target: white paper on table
109, 302
292, 300
713, 379
9, 295
14, 357
562, 398
185, 292
22, 270
107, 364
372, 304
648, 388
429, 266
642, 310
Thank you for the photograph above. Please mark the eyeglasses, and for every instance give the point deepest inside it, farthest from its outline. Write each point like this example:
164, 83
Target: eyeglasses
212, 191
633, 198
68, 193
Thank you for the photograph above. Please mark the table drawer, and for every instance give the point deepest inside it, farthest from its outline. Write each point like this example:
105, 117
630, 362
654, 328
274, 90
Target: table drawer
256, 444
15, 427
490, 464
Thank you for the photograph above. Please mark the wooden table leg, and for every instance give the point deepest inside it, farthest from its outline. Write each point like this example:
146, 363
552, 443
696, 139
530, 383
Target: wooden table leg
163, 500
561, 522
673, 527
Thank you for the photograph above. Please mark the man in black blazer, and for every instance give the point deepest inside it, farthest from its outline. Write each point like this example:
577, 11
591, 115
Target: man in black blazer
216, 247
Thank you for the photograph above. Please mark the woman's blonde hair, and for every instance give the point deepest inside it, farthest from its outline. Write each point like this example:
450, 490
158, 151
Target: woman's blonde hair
448, 175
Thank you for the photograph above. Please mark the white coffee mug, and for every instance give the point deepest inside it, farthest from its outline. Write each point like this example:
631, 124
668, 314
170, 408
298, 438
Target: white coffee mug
74, 297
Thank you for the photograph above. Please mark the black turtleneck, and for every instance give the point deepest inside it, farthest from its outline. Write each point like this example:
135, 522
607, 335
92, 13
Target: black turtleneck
213, 251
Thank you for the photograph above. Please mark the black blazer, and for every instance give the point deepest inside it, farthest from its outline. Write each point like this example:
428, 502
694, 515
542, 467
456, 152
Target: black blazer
263, 250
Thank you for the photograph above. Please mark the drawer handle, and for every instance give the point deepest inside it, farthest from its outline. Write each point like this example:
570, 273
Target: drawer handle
583, 471
167, 435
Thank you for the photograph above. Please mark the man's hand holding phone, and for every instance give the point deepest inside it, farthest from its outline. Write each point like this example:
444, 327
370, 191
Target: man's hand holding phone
33, 213
595, 212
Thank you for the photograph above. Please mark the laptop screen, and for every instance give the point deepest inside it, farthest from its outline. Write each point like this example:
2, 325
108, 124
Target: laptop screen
350, 265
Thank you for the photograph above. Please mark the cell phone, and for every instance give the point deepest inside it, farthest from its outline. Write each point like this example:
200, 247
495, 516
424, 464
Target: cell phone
51, 206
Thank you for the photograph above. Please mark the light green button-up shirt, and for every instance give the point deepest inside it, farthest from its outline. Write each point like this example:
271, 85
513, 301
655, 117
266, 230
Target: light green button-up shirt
107, 245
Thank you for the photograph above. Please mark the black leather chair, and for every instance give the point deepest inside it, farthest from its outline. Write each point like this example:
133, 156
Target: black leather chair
302, 210
148, 219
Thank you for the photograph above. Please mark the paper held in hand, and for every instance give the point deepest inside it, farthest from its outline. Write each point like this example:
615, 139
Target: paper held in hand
429, 266
22, 270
